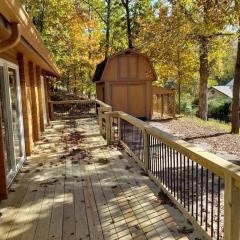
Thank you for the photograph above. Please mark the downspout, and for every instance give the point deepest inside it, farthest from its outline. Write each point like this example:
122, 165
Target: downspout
13, 39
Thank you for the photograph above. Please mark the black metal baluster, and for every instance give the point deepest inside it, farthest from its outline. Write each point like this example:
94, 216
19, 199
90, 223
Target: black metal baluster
184, 181
218, 208
192, 188
163, 162
188, 176
197, 192
160, 160
165, 159
174, 172
206, 219
201, 195
151, 153
177, 169
212, 205
154, 156
170, 168
181, 189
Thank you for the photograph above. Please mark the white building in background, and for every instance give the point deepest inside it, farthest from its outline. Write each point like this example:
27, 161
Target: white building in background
225, 91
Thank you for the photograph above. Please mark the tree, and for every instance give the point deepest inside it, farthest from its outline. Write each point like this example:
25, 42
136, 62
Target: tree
126, 4
236, 83
196, 27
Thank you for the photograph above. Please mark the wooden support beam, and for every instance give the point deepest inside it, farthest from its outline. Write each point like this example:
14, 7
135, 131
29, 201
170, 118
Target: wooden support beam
26, 108
35, 107
40, 99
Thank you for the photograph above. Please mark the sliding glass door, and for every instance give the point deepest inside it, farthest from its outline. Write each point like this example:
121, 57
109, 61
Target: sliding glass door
12, 115
15, 99
7, 163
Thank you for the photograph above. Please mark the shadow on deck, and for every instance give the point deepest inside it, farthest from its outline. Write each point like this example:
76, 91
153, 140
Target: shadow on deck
76, 187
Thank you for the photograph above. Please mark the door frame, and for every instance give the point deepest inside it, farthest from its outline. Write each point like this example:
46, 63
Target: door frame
7, 112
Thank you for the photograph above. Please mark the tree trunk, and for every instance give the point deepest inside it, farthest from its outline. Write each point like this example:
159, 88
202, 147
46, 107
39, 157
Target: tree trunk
108, 28
236, 89
129, 29
204, 75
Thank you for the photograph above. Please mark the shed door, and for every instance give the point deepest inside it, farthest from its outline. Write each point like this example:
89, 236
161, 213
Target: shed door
130, 99
136, 100
119, 98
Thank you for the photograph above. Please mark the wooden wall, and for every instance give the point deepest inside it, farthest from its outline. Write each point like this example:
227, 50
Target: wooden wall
32, 108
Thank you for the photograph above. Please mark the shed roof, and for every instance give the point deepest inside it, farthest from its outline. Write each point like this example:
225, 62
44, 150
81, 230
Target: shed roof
102, 65
99, 70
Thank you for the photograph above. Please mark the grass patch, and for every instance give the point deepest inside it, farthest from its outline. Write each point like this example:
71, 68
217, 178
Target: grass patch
211, 123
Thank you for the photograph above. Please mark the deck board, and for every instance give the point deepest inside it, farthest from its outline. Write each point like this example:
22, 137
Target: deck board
76, 187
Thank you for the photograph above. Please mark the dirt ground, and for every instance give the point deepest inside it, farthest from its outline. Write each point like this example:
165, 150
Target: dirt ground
210, 138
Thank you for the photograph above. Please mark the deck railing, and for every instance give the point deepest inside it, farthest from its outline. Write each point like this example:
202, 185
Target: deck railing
72, 109
205, 188
78, 108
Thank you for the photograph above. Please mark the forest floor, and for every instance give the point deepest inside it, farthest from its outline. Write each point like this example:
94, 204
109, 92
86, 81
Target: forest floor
211, 136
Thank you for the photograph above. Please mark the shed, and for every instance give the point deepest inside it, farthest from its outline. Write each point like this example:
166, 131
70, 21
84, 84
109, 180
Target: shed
124, 81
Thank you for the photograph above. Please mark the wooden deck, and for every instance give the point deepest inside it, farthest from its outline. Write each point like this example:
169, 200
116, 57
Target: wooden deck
76, 188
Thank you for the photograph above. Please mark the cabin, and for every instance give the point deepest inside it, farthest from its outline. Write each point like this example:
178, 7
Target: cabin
124, 81
222, 92
25, 66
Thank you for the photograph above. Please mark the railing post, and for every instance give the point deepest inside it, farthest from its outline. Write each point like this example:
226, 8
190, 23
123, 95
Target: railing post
146, 148
108, 128
100, 120
111, 128
231, 209
119, 129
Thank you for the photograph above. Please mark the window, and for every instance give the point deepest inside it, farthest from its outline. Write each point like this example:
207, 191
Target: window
12, 117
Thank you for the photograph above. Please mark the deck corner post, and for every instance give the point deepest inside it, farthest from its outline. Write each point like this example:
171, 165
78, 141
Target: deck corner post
100, 120
232, 209
146, 143
119, 129
108, 128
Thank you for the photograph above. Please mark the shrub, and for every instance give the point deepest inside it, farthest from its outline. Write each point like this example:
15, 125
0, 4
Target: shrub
186, 105
219, 109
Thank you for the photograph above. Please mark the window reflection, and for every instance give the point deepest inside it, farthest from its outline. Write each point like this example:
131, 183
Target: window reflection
15, 113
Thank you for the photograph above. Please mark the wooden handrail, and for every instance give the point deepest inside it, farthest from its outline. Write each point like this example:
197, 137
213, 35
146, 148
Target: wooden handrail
227, 171
216, 164
72, 101
102, 104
